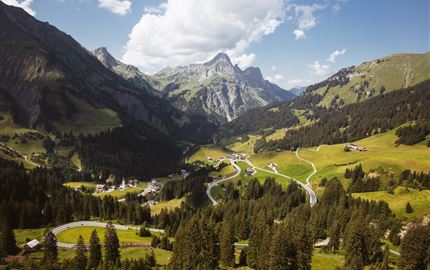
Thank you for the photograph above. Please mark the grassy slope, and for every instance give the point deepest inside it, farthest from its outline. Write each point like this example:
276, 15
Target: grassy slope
77, 184
121, 193
169, 205
332, 161
419, 200
125, 236
162, 256
89, 119
287, 162
208, 151
393, 72
246, 147
326, 261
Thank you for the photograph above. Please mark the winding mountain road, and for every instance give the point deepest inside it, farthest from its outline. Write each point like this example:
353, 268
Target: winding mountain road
215, 183
86, 223
307, 186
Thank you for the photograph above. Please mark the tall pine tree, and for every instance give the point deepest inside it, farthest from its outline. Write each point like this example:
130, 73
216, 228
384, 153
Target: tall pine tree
50, 255
95, 251
80, 259
7, 239
227, 245
112, 253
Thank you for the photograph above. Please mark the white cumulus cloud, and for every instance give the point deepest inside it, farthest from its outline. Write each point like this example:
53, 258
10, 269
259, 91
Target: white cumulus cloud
305, 18
319, 69
120, 7
333, 55
24, 4
187, 31
244, 60
299, 34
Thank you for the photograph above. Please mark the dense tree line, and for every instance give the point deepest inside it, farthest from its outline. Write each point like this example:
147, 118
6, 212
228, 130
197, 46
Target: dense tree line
357, 121
281, 234
38, 198
126, 152
362, 182
273, 116
412, 134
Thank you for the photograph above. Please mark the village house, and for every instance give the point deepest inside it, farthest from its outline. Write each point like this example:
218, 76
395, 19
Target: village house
250, 171
100, 188
356, 147
32, 245
133, 182
154, 186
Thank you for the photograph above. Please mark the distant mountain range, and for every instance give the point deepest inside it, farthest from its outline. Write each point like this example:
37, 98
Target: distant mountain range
216, 88
297, 90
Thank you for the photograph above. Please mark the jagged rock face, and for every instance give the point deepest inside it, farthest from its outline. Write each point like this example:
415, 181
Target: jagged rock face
217, 88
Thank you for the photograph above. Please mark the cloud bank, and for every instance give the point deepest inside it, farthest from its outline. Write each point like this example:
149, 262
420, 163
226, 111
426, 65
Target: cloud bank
186, 31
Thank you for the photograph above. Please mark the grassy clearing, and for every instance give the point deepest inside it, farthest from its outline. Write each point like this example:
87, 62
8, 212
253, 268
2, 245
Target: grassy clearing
246, 147
419, 200
89, 119
162, 256
326, 261
224, 172
277, 135
208, 151
120, 194
125, 236
287, 162
332, 161
169, 205
21, 235
77, 184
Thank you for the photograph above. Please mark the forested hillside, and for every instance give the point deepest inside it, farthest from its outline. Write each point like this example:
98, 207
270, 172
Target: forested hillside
358, 121
349, 86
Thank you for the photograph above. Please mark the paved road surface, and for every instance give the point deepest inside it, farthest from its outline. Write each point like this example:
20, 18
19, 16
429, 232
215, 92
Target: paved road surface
312, 196
71, 225
215, 183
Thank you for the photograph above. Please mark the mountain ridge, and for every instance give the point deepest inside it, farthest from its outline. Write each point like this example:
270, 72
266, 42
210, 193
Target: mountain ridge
217, 88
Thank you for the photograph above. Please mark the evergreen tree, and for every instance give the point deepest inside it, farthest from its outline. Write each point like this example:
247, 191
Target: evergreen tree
112, 253
80, 259
409, 208
50, 255
283, 253
95, 251
334, 235
227, 245
414, 249
7, 239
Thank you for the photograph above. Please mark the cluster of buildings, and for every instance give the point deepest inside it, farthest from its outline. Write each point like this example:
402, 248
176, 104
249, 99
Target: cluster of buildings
237, 156
154, 186
123, 186
356, 147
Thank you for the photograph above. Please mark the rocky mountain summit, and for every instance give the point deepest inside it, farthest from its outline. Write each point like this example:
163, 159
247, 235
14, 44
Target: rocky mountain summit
217, 88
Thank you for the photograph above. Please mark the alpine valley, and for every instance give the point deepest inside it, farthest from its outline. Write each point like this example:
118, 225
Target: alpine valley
207, 165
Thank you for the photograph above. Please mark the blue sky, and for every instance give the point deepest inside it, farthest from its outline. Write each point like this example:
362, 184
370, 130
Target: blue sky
291, 41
